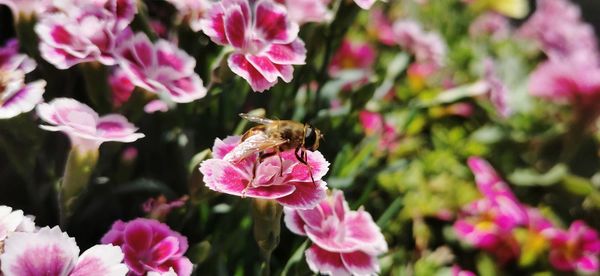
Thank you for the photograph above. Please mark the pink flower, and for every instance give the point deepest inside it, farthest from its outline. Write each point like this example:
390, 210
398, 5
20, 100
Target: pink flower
373, 124
458, 271
191, 11
16, 96
352, 56
82, 124
575, 249
364, 4
344, 242
428, 47
558, 28
488, 223
160, 68
13, 221
150, 246
265, 40
490, 24
121, 87
20, 8
156, 106
381, 27
289, 183
498, 91
304, 11
158, 208
83, 30
465, 110
52, 252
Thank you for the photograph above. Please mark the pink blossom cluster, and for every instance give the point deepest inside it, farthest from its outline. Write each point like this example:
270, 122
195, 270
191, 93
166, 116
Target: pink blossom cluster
17, 96
489, 224
344, 242
352, 55
287, 181
373, 123
427, 47
305, 11
27, 250
490, 24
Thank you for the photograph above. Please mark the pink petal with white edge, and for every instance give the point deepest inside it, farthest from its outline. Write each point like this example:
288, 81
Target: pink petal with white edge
236, 26
360, 263
263, 65
293, 221
243, 68
307, 195
165, 249
313, 218
340, 206
362, 229
272, 22
222, 147
100, 260
292, 53
365, 4
325, 262
286, 72
270, 192
213, 25
167, 54
588, 264
117, 127
222, 176
22, 100
316, 160
47, 252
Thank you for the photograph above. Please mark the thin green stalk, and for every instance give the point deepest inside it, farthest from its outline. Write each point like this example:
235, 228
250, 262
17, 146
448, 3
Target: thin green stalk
78, 170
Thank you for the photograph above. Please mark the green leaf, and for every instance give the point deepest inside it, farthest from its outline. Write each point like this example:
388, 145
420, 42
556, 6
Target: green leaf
530, 177
295, 258
392, 210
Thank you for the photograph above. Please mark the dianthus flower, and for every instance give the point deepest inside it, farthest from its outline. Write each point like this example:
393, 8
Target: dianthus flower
352, 56
490, 24
26, 8
13, 221
191, 11
575, 249
427, 47
373, 123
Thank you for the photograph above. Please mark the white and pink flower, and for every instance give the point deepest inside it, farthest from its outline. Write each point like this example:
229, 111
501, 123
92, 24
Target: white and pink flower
191, 11
26, 8
265, 40
49, 251
82, 124
150, 247
304, 11
427, 47
16, 96
160, 68
13, 221
344, 242
79, 31
498, 92
364, 4
289, 183
576, 249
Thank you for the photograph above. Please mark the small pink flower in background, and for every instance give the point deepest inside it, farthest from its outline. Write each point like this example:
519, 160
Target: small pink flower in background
265, 40
465, 110
458, 271
248, 177
381, 27
428, 47
373, 123
419, 73
158, 208
49, 251
156, 106
83, 30
498, 92
352, 56
160, 68
82, 124
488, 223
150, 246
304, 11
559, 30
13, 221
364, 4
191, 11
490, 24
129, 154
575, 249
121, 87
16, 96
344, 242
20, 8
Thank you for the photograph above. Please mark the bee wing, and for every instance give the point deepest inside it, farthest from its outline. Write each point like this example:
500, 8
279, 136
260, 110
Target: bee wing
255, 143
256, 119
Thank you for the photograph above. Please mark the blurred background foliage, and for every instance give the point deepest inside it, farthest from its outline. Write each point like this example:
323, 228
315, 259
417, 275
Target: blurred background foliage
407, 188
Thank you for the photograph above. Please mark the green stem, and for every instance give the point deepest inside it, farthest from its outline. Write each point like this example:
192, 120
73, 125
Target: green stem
96, 84
267, 228
78, 170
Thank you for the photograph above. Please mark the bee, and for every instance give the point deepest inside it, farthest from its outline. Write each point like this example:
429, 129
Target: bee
271, 137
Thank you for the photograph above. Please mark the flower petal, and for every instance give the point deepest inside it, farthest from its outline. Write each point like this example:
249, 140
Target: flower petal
325, 262
242, 67
360, 263
306, 195
222, 176
236, 26
100, 260
293, 221
272, 22
292, 53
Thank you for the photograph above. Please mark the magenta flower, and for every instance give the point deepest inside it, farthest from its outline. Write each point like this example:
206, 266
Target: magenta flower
248, 177
575, 249
381, 27
265, 40
559, 30
344, 242
158, 208
85, 128
83, 30
150, 246
352, 56
458, 271
304, 11
373, 123
427, 47
13, 221
488, 223
490, 24
52, 252
121, 87
160, 68
16, 96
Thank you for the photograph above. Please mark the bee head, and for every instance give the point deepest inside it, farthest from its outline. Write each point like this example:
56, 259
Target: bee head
312, 137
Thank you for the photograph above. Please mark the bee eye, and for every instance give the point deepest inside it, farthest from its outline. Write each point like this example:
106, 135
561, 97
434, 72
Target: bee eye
310, 137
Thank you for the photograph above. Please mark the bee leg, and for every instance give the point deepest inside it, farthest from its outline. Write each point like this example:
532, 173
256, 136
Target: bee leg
303, 158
